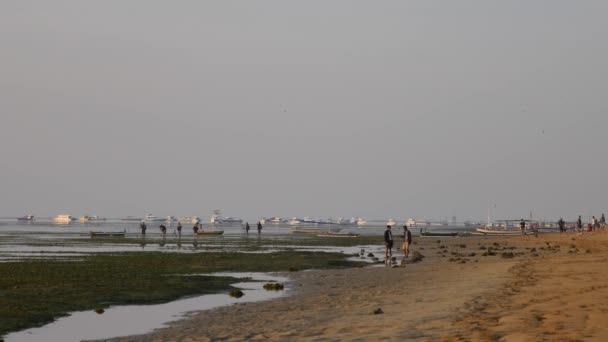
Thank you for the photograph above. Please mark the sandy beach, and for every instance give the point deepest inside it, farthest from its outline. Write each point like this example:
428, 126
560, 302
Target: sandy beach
552, 287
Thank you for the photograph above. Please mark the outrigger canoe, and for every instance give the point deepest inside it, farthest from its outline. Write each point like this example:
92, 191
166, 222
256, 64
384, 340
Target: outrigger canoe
107, 234
210, 232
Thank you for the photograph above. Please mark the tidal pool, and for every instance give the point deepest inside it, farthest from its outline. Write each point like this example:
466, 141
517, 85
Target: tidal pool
127, 320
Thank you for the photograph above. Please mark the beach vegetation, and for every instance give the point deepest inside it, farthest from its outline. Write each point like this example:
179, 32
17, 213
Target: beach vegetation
236, 293
273, 286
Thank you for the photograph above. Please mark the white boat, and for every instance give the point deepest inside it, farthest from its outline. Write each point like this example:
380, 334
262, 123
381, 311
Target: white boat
190, 219
391, 222
294, 221
361, 222
274, 220
500, 232
170, 219
216, 218
152, 218
344, 222
233, 220
63, 219
93, 218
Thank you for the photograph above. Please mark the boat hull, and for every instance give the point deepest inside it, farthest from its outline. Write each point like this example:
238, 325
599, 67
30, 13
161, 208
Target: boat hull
210, 232
438, 234
107, 234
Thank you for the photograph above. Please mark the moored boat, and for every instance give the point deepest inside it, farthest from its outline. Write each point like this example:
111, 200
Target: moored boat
438, 234
338, 234
210, 232
499, 232
152, 218
26, 218
190, 219
108, 234
64, 219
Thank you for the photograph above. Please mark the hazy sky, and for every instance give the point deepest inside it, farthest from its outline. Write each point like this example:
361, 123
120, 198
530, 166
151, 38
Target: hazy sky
304, 108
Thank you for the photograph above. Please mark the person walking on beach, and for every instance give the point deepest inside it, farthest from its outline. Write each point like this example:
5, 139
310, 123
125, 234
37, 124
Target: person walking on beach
602, 221
407, 241
388, 241
579, 223
247, 228
522, 226
259, 227
562, 225
143, 228
179, 229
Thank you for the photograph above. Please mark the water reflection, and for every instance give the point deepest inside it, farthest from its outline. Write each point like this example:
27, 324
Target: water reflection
140, 319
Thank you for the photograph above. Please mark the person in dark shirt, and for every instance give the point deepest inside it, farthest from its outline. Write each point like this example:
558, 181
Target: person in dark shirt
179, 229
522, 227
388, 241
247, 228
259, 227
579, 223
562, 225
143, 228
163, 230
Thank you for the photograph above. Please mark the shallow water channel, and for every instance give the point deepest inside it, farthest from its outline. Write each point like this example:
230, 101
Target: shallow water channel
140, 319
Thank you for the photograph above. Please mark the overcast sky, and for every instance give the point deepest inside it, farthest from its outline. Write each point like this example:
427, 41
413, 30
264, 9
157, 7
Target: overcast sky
304, 108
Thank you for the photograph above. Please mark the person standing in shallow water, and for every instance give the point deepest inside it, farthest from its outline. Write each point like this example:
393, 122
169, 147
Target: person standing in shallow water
143, 228
259, 227
163, 230
179, 229
388, 241
407, 241
247, 228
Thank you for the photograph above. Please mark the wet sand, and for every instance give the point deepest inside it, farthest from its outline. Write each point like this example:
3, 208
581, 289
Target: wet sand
554, 288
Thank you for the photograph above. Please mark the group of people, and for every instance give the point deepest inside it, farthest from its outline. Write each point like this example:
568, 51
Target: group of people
594, 224
197, 226
389, 241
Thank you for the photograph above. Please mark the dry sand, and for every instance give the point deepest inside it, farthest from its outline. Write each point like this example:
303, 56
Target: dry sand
557, 292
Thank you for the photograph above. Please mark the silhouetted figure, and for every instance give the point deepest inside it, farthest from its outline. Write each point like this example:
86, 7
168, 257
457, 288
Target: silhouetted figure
143, 228
562, 225
522, 227
179, 229
163, 230
195, 230
247, 228
259, 227
388, 241
579, 223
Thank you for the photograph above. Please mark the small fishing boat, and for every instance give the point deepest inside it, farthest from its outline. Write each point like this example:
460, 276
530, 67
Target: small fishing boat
438, 234
108, 234
338, 234
210, 232
498, 232
315, 231
26, 218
